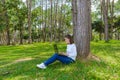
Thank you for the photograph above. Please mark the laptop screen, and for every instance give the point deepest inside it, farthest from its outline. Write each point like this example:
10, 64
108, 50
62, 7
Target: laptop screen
55, 48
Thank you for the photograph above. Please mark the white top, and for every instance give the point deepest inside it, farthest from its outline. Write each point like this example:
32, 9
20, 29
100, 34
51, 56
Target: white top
71, 51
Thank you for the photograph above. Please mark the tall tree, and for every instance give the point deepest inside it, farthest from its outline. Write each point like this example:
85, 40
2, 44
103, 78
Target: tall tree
7, 23
89, 18
51, 12
105, 18
29, 5
101, 12
43, 23
55, 19
81, 22
111, 18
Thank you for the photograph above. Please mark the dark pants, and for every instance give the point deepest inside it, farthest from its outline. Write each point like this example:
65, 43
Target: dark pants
61, 58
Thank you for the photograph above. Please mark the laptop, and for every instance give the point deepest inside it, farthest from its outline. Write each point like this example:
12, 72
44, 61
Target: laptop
55, 48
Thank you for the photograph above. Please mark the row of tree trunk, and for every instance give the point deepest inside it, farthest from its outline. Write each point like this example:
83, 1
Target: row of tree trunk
53, 22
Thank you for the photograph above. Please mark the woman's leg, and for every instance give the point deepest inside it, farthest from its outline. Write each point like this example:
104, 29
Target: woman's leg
61, 58
64, 59
51, 59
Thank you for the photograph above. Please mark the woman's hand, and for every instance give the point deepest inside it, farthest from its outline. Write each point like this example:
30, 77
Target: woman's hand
63, 53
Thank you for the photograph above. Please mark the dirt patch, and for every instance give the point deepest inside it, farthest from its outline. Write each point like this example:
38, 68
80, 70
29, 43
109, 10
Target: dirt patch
24, 59
91, 56
16, 61
94, 57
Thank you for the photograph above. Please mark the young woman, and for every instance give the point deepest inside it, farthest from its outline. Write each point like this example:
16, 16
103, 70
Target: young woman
66, 58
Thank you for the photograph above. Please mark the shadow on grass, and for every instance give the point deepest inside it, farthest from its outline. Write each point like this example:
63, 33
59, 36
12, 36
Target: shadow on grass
90, 70
107, 50
27, 70
11, 53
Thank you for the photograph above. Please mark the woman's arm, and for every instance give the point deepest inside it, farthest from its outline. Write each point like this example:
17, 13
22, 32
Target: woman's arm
63, 53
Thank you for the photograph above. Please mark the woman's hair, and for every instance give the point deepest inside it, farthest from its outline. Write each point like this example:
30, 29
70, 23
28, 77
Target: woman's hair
70, 38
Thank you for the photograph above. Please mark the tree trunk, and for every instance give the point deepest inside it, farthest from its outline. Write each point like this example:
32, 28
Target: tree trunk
29, 4
81, 21
21, 35
100, 35
43, 26
8, 30
112, 16
7, 23
105, 15
55, 19
51, 21
89, 17
60, 21
7, 27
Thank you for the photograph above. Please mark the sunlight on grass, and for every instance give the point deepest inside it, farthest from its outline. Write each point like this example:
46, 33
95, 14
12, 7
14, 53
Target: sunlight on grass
19, 63
20, 78
110, 60
66, 68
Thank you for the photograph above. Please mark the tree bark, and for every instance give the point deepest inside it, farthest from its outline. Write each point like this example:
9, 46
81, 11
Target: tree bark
21, 35
43, 23
105, 17
100, 35
81, 22
112, 16
55, 19
7, 24
29, 4
89, 18
51, 14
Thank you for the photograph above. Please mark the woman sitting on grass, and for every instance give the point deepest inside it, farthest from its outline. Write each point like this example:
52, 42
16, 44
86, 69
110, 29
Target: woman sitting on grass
66, 58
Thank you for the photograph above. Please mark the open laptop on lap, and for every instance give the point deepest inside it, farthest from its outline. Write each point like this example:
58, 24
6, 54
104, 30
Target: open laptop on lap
55, 48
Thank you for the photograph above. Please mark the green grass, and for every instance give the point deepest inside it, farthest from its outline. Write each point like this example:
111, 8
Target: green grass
19, 63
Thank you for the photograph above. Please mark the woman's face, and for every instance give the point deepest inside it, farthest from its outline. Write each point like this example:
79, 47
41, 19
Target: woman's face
67, 40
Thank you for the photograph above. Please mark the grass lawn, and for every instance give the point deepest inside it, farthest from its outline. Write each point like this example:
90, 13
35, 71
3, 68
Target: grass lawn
19, 63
